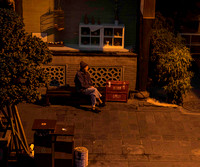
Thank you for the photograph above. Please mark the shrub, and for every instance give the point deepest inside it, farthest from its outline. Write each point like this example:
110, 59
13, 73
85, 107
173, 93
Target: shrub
173, 73
21, 57
171, 61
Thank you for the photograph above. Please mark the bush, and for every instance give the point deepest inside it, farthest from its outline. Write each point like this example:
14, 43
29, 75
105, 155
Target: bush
171, 61
21, 57
173, 73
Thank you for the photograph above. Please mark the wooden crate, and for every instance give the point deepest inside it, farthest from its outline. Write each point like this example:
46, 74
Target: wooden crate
117, 91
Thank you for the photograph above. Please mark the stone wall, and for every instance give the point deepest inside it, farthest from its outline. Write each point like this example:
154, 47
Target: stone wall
71, 62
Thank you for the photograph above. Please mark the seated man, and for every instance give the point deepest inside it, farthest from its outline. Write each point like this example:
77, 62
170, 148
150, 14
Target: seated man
84, 85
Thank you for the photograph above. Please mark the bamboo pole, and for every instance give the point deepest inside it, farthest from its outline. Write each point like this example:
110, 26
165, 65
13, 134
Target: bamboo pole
17, 130
22, 143
7, 118
21, 128
12, 128
4, 113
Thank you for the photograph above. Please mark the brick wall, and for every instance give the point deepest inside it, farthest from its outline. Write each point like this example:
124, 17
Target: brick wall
129, 64
36, 10
33, 12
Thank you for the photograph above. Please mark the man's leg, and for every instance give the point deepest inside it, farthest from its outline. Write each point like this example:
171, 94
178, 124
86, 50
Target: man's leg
94, 93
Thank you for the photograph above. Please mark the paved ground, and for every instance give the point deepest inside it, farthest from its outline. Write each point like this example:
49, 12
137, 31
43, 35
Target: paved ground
191, 101
133, 134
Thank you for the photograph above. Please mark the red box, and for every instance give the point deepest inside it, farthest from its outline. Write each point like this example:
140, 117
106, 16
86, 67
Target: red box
117, 91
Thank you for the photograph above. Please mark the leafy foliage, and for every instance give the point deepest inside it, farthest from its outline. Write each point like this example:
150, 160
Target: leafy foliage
171, 61
21, 57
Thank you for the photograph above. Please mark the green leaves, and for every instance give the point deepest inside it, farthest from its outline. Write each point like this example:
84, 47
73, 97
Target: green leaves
21, 56
171, 60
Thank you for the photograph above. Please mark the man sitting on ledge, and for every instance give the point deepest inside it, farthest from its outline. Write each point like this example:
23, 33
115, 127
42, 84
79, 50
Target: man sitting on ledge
84, 85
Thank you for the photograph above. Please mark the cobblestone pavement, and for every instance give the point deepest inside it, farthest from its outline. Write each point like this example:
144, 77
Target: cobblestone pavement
191, 101
133, 134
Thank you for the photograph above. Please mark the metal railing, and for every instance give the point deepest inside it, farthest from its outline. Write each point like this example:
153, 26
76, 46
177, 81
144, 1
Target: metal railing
192, 40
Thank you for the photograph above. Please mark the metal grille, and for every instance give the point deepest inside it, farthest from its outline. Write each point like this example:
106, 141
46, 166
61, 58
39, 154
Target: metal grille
56, 74
100, 75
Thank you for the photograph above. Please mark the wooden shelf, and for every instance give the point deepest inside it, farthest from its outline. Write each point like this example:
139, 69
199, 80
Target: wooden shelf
108, 32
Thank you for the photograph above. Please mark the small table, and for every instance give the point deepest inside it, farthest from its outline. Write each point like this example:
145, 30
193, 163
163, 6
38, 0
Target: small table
50, 127
44, 125
61, 130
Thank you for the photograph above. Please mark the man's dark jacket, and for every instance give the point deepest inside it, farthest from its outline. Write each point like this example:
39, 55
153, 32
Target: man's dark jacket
82, 80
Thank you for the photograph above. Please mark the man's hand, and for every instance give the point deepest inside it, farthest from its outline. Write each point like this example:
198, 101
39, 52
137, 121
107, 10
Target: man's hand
91, 86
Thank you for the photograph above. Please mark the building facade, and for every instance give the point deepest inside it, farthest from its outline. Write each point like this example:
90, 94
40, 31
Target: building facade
100, 32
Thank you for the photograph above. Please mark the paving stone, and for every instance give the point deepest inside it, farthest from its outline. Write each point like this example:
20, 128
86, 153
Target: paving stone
132, 116
78, 131
116, 157
195, 144
150, 118
115, 135
79, 125
168, 137
113, 146
134, 141
179, 127
88, 136
96, 157
133, 149
167, 148
133, 126
102, 136
97, 148
77, 136
155, 137
88, 142
60, 117
89, 147
185, 143
153, 129
147, 146
108, 164
170, 158
195, 158
143, 158
112, 149
78, 143
163, 164
128, 136
152, 137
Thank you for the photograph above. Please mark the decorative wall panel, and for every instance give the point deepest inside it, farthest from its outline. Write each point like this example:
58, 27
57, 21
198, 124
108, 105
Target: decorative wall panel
57, 74
100, 75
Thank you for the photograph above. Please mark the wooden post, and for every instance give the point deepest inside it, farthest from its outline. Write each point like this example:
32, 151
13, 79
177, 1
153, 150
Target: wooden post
143, 61
147, 14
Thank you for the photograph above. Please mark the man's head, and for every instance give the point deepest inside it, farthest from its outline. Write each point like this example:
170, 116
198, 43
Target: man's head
83, 66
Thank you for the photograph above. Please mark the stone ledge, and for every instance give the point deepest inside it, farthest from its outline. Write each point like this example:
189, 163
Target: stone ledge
92, 53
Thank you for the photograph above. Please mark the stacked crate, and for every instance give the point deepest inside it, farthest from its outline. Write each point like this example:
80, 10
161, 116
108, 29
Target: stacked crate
117, 91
